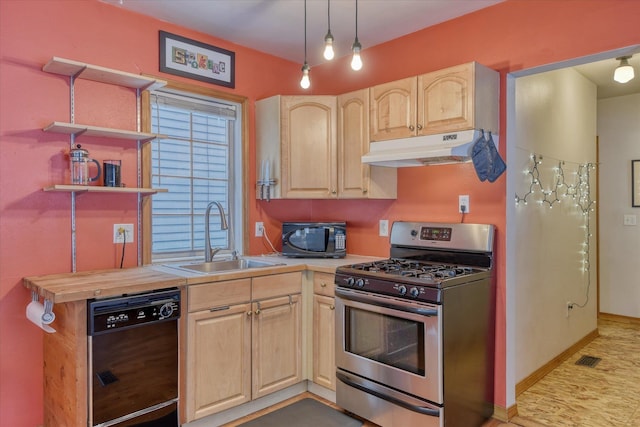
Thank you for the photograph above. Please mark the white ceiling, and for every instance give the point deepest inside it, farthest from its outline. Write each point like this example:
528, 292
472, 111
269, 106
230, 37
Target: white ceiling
277, 26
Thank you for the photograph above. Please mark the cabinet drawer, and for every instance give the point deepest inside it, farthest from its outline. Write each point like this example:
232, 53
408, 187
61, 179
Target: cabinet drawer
276, 285
218, 294
323, 284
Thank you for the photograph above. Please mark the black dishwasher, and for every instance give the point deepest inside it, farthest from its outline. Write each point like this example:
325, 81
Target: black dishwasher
133, 360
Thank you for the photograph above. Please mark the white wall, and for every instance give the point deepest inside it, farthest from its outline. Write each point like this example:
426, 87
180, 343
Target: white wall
556, 118
619, 136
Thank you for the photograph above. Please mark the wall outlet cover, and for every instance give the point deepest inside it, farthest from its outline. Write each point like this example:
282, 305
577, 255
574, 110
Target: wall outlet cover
384, 227
120, 231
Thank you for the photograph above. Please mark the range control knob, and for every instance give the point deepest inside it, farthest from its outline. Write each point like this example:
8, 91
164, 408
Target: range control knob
166, 310
350, 281
414, 292
360, 283
414, 233
402, 289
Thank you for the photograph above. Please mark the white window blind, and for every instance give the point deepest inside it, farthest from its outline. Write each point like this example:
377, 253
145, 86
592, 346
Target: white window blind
193, 159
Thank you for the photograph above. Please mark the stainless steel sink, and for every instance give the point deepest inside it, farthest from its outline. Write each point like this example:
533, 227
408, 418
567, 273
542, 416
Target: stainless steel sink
225, 265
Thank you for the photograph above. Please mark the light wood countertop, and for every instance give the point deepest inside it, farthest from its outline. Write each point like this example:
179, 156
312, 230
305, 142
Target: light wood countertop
67, 287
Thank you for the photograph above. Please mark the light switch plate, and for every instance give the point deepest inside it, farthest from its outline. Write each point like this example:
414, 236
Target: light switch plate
629, 220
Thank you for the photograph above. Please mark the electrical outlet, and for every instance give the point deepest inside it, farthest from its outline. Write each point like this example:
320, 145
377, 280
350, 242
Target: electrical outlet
384, 227
259, 229
569, 308
122, 231
463, 204
629, 220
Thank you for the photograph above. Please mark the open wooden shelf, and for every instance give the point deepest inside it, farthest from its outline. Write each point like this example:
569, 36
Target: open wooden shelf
88, 130
70, 188
67, 67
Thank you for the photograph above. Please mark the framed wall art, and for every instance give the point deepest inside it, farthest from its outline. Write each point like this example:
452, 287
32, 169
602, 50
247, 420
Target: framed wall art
635, 183
200, 61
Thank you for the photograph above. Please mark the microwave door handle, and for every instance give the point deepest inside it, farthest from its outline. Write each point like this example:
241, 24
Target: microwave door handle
378, 393
329, 242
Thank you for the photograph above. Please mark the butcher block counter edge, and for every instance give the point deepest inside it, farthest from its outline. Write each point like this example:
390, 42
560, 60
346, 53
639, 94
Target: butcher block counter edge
68, 287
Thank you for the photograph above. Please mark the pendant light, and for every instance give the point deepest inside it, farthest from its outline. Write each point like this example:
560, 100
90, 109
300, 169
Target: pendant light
328, 39
356, 61
305, 82
624, 72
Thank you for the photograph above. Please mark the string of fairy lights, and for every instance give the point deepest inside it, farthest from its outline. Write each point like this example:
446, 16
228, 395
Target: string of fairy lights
559, 189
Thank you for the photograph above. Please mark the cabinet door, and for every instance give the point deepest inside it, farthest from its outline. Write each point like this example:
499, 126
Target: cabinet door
353, 142
324, 362
309, 165
218, 360
445, 100
393, 109
276, 347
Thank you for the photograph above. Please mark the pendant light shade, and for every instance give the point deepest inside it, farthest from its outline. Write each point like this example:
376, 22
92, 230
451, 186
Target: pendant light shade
305, 82
328, 39
356, 61
624, 72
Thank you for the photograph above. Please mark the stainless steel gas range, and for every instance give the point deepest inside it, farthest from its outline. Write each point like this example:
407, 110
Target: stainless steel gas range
415, 332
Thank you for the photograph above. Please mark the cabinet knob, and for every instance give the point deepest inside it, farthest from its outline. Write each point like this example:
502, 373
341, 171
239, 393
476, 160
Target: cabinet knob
249, 313
332, 307
333, 191
364, 191
411, 128
419, 127
256, 312
323, 285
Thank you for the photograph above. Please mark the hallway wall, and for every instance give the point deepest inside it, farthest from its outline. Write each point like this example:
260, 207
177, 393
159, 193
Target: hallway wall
619, 143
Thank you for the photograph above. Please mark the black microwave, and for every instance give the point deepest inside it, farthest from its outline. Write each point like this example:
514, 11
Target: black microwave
314, 239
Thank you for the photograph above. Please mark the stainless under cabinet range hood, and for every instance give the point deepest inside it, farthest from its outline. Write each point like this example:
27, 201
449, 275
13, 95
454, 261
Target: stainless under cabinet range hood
424, 150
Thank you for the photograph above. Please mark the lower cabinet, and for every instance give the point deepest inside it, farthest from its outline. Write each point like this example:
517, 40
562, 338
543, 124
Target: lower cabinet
243, 341
324, 364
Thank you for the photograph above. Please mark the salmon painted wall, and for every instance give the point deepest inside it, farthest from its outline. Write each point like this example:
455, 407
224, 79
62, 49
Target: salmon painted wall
511, 36
34, 225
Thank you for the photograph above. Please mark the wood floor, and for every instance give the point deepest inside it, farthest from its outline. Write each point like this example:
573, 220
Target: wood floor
607, 395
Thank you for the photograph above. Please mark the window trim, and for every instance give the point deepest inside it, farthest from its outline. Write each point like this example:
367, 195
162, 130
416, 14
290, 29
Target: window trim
145, 124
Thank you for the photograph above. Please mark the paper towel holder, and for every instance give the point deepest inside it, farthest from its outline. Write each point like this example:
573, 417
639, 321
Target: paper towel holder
48, 316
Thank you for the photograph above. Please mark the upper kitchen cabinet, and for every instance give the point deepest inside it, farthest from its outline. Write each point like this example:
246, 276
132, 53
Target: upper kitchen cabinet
450, 100
356, 179
296, 135
393, 109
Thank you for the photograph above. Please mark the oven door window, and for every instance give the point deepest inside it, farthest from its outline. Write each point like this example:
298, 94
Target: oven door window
386, 339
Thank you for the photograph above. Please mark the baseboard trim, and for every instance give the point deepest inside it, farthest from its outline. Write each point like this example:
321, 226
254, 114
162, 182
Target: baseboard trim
554, 363
503, 414
619, 318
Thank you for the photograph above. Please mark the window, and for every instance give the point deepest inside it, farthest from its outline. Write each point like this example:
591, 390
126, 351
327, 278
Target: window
197, 159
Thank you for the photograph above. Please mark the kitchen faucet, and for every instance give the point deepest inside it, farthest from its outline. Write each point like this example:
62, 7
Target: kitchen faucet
208, 252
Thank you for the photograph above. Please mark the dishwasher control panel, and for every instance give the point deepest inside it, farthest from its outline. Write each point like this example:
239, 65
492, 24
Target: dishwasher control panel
129, 311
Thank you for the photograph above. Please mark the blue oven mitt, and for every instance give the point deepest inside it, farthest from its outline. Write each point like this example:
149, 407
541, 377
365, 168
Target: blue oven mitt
481, 157
497, 164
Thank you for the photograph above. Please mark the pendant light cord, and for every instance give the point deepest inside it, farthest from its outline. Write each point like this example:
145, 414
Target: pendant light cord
305, 31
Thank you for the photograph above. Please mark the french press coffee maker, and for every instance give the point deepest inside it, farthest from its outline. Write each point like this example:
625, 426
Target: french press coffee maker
80, 166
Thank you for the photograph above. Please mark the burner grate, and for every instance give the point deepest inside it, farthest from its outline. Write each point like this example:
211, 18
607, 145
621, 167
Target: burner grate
589, 361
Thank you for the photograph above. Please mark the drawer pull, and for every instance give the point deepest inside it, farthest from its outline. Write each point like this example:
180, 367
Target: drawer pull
224, 307
332, 307
323, 285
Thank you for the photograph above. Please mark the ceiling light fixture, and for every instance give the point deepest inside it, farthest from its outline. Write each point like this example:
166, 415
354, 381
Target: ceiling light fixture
356, 61
305, 82
624, 72
328, 39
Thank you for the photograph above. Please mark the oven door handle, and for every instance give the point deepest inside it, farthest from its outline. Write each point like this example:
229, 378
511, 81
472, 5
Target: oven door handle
415, 408
385, 302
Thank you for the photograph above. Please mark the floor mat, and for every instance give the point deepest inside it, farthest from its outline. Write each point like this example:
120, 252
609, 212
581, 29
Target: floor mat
304, 413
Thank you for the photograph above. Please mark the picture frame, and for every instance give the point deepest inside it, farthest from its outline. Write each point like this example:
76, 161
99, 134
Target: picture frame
196, 60
635, 183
